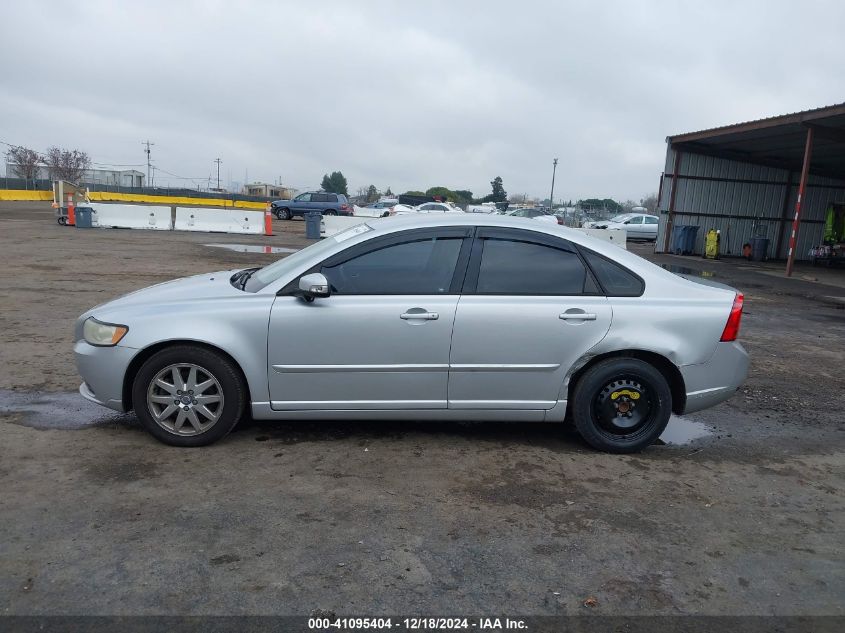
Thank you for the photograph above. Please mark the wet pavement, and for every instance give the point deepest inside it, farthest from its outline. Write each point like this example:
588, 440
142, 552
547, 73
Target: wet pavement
394, 516
62, 410
70, 411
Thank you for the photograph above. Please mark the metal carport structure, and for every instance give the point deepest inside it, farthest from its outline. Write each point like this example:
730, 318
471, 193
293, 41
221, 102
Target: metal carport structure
776, 175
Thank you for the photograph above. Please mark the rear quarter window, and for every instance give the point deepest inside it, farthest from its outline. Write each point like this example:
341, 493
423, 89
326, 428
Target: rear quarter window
616, 280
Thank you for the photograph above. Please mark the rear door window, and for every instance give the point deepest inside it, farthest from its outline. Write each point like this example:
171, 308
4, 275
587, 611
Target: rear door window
515, 267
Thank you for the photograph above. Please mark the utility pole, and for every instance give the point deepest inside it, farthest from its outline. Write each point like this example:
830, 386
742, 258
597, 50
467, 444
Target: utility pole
552, 194
218, 161
147, 152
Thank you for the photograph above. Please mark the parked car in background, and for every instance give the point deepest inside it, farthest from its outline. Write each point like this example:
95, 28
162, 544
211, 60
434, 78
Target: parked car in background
325, 203
484, 207
379, 209
394, 319
428, 207
535, 213
639, 226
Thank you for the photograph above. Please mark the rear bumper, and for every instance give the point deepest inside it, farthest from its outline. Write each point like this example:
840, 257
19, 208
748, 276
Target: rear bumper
715, 381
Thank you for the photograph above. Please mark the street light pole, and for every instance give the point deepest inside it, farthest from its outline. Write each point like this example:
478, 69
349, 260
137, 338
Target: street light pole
552, 194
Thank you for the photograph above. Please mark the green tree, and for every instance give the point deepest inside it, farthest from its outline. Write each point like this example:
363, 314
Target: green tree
463, 196
388, 193
608, 204
334, 183
414, 193
442, 192
372, 193
499, 194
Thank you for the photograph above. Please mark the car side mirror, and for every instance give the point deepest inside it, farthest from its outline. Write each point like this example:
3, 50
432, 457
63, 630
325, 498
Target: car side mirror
627, 222
314, 285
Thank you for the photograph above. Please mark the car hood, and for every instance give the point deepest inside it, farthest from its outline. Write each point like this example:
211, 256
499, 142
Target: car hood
206, 286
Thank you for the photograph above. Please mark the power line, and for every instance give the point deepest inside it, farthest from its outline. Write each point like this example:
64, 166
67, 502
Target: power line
218, 161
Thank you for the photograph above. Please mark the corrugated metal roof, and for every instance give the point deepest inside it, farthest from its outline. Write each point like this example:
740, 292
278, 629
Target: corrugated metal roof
774, 120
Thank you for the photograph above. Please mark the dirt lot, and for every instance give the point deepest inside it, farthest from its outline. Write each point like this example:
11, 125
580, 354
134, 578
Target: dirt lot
374, 518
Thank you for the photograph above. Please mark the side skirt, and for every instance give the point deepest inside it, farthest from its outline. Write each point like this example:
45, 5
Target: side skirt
263, 411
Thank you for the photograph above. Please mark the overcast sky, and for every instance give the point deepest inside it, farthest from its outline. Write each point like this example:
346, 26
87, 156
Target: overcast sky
409, 94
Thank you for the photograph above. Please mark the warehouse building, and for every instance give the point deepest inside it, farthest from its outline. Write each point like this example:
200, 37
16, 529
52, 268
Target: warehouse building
744, 181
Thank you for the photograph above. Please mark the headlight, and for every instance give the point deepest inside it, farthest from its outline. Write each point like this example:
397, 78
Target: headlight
102, 334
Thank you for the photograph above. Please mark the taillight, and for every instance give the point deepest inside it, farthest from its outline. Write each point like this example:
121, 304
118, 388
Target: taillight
344, 207
731, 330
560, 220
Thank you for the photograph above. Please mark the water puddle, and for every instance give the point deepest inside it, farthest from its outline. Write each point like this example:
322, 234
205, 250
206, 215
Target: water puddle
62, 410
69, 411
682, 431
253, 248
683, 270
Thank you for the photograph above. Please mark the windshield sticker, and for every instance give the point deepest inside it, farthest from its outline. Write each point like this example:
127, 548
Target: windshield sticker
350, 233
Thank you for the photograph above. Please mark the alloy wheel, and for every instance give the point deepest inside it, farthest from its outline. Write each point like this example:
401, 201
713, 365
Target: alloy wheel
185, 399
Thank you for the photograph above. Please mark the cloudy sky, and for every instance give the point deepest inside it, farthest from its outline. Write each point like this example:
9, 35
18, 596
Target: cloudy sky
408, 94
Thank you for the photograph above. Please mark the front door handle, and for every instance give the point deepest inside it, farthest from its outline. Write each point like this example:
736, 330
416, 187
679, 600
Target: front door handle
577, 316
421, 315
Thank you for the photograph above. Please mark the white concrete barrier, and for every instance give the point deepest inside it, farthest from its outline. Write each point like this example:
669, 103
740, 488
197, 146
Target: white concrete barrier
614, 236
333, 224
130, 216
364, 212
219, 220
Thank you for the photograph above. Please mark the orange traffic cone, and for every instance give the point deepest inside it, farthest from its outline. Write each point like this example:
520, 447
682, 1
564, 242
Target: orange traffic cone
268, 221
71, 212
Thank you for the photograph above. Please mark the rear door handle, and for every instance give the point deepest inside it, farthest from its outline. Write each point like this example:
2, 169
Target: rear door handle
423, 316
577, 316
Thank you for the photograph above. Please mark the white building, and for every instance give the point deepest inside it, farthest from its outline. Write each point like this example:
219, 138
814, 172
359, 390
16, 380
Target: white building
111, 177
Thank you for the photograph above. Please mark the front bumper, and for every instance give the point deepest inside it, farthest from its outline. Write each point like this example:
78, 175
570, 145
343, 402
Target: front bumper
715, 381
103, 369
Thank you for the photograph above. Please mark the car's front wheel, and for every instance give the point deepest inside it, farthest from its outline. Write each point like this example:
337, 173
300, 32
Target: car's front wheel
621, 405
188, 396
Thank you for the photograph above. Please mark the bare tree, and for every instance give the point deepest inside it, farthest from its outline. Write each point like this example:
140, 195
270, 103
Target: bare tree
66, 164
628, 205
650, 202
24, 162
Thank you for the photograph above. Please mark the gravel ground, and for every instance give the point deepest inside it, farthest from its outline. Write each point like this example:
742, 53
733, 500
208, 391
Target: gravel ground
374, 518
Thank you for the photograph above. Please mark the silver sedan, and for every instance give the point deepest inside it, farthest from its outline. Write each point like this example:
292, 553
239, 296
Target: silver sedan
451, 317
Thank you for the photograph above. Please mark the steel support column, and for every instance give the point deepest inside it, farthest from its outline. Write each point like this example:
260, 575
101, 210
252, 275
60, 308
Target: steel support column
805, 170
784, 215
670, 221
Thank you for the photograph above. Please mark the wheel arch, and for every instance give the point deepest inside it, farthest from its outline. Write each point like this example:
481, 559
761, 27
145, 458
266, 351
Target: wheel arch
142, 356
665, 366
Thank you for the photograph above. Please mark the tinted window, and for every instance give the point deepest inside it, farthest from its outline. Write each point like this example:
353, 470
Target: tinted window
330, 197
420, 267
525, 268
616, 280
649, 220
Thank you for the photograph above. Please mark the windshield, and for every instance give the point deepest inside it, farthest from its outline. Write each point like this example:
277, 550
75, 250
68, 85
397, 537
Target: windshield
267, 275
